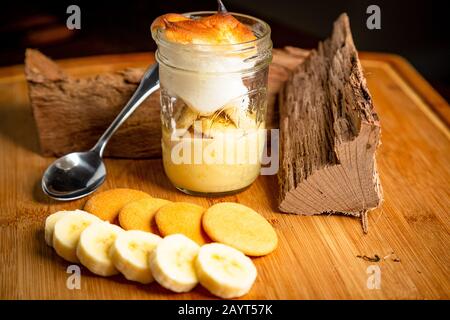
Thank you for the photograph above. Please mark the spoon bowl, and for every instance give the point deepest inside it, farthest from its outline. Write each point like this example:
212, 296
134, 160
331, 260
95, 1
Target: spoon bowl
74, 175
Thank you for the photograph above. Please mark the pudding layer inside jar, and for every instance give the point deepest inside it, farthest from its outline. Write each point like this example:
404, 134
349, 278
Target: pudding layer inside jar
226, 162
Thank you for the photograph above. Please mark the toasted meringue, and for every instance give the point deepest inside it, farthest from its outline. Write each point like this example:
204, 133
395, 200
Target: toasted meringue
219, 28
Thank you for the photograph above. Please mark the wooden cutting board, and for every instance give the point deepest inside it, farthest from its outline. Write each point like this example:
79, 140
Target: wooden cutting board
317, 257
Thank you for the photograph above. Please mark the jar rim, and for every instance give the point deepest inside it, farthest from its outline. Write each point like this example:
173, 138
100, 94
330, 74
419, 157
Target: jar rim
265, 36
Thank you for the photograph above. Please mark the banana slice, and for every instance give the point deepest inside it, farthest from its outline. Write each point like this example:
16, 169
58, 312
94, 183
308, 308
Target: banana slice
224, 271
185, 117
172, 263
130, 254
50, 225
94, 246
215, 126
241, 117
67, 232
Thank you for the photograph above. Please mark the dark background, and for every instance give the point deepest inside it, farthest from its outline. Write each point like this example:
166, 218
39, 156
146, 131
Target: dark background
417, 30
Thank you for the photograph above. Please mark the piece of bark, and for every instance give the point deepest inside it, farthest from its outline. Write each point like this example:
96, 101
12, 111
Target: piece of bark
329, 133
71, 113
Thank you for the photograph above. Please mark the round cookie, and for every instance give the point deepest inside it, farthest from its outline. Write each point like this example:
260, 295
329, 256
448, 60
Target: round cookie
107, 204
240, 227
139, 214
184, 218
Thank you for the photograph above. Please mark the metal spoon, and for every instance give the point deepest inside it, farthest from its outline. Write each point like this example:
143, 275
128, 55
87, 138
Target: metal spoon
221, 8
78, 174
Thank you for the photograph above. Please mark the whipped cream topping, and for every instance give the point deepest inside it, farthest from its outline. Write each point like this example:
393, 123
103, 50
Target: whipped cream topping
216, 83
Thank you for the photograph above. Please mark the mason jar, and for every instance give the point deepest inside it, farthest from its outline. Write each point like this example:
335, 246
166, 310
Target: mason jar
213, 108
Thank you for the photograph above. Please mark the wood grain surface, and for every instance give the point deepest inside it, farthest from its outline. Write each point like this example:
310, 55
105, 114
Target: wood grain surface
317, 255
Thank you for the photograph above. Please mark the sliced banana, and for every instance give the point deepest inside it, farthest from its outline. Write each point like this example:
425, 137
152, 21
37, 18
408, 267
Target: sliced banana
215, 126
172, 263
94, 246
50, 225
241, 117
67, 232
185, 117
130, 254
224, 271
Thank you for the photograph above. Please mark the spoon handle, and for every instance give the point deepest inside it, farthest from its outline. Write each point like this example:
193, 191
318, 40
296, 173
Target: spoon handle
148, 85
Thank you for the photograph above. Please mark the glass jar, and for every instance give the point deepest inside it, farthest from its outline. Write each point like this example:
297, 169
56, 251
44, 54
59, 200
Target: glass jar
213, 107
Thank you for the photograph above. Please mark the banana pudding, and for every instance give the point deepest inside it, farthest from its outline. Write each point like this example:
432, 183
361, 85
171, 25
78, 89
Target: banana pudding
213, 75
